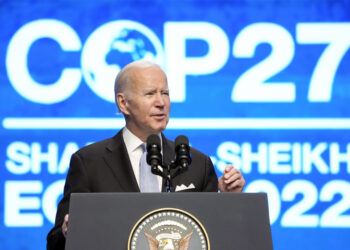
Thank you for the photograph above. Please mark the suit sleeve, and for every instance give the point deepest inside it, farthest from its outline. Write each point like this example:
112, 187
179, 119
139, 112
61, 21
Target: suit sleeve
211, 179
76, 181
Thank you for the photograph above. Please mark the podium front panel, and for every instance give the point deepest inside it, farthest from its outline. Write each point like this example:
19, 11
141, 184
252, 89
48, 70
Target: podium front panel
231, 221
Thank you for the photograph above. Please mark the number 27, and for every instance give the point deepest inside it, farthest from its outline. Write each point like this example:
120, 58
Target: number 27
251, 86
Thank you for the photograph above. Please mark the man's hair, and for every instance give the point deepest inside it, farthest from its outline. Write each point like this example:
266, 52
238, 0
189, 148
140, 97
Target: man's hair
122, 81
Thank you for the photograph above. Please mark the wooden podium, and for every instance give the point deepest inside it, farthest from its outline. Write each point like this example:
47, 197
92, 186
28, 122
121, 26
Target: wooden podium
135, 221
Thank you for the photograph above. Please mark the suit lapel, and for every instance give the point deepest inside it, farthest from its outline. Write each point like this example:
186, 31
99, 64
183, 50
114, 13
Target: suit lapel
168, 150
118, 160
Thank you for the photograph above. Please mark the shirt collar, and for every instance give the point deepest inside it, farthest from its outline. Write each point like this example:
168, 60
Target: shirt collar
132, 142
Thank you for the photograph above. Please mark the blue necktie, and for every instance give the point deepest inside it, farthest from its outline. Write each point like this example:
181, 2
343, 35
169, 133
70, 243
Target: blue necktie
148, 181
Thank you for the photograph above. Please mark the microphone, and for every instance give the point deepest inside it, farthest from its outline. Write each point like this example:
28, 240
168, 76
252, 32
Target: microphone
154, 157
182, 149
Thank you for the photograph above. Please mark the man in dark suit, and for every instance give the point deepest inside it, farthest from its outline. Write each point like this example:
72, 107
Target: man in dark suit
113, 165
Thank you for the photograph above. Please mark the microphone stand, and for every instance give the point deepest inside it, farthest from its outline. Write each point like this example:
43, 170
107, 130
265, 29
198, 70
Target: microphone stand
167, 174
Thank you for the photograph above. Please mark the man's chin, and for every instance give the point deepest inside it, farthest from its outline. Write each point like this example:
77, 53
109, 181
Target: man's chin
159, 129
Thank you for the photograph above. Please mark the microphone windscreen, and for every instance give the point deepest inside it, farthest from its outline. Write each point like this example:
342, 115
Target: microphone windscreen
181, 139
153, 139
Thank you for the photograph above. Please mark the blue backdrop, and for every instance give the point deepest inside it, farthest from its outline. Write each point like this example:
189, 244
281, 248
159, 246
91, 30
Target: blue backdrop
260, 84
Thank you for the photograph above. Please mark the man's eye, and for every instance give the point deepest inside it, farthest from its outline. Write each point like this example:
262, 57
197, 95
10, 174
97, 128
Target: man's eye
165, 93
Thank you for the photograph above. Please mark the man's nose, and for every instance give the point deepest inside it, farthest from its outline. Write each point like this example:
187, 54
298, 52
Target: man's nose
159, 100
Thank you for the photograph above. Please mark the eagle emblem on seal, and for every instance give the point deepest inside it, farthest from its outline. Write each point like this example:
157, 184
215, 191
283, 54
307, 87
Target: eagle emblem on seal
172, 241
168, 229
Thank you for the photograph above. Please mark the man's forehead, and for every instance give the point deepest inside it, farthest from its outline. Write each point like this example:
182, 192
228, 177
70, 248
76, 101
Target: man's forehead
145, 71
147, 76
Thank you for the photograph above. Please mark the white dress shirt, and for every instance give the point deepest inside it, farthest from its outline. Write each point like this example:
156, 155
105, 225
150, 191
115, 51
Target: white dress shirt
133, 146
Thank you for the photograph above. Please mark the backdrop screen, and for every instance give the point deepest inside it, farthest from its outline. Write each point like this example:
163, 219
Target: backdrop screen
263, 85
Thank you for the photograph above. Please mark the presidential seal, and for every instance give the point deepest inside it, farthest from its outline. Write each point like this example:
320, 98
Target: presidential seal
168, 229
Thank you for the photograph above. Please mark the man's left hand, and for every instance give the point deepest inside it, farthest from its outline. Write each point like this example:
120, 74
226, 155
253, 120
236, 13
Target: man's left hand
232, 180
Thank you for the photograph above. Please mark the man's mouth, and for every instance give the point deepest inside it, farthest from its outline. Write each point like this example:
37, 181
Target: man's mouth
159, 115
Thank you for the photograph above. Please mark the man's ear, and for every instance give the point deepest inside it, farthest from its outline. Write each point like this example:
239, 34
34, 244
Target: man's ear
122, 103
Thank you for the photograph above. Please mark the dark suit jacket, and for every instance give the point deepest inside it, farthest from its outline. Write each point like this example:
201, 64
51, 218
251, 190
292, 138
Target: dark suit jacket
105, 167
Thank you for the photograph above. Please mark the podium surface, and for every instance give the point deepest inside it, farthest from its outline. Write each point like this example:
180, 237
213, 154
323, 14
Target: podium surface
228, 220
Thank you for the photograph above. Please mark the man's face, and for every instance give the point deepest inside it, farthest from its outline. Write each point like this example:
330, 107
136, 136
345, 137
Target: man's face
147, 102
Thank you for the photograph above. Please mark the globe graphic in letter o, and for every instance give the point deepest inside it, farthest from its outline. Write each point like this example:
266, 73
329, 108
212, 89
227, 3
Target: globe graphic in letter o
113, 45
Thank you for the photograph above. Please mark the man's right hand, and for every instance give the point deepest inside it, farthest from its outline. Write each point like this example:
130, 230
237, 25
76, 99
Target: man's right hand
65, 225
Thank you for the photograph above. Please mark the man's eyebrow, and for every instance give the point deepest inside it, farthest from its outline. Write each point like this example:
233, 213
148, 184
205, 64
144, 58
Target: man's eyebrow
149, 90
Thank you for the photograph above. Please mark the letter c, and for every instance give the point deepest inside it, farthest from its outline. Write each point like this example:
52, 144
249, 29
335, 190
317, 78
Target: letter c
16, 61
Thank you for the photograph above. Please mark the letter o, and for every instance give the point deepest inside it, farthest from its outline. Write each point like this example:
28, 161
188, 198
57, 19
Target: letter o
49, 201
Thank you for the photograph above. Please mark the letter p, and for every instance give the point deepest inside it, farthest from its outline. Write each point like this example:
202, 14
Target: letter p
178, 65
